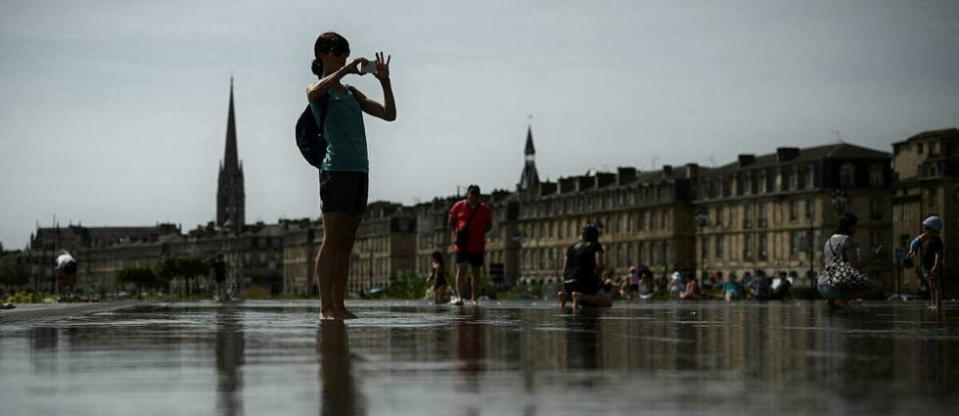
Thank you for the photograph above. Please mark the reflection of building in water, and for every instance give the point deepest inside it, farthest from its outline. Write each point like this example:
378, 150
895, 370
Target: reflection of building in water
230, 349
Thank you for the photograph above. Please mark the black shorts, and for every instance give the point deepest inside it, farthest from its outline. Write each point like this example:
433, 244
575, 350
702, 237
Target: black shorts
474, 259
439, 282
344, 191
586, 287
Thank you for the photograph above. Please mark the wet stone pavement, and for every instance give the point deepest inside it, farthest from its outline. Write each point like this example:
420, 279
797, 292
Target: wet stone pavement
510, 358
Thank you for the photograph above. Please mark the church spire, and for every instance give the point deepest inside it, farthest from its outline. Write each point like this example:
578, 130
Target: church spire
230, 197
230, 156
529, 179
530, 150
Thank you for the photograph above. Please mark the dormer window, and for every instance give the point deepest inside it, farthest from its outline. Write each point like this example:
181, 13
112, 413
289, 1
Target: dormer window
847, 175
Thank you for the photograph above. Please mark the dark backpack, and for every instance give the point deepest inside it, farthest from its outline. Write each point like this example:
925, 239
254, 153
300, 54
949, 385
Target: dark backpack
309, 133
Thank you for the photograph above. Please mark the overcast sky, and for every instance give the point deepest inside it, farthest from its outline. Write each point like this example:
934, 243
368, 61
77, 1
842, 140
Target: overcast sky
114, 112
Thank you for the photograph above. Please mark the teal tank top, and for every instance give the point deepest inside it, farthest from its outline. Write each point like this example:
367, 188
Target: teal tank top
344, 132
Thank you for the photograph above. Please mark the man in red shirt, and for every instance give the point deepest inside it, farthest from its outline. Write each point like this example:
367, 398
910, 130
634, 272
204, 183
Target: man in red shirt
470, 220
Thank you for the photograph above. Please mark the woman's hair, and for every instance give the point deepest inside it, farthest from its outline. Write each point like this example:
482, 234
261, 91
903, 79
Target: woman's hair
473, 188
846, 222
326, 43
437, 257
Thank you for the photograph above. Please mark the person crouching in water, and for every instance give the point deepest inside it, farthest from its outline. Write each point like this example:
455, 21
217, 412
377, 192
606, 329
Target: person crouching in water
66, 268
584, 266
438, 277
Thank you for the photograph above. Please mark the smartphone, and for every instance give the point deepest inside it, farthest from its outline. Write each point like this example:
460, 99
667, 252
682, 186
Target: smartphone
368, 67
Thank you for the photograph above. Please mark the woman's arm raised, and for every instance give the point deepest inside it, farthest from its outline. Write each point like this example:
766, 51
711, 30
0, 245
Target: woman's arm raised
388, 111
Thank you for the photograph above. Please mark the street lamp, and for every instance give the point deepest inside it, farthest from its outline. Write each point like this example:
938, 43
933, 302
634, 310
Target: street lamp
839, 200
701, 218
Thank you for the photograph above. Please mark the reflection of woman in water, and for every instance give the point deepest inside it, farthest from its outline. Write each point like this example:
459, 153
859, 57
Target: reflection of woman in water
344, 177
340, 396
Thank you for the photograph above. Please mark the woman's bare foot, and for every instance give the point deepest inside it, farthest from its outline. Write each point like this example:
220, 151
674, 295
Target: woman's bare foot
328, 314
343, 313
563, 298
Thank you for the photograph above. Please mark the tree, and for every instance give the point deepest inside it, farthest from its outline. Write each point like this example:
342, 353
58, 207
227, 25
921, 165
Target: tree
140, 277
14, 275
188, 268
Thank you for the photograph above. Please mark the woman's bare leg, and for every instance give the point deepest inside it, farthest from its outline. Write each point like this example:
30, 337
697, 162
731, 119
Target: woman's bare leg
461, 282
474, 284
333, 262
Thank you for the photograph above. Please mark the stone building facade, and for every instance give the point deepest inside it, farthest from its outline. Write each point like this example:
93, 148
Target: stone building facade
927, 183
773, 212
385, 247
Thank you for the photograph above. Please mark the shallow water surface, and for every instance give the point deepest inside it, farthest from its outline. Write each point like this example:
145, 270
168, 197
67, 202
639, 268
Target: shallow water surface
509, 358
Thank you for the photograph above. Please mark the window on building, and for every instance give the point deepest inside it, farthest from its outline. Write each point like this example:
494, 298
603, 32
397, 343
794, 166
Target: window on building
919, 148
718, 247
875, 208
932, 198
763, 254
795, 242
876, 175
847, 175
762, 215
704, 249
668, 248
762, 182
747, 216
726, 185
793, 210
810, 209
794, 178
747, 247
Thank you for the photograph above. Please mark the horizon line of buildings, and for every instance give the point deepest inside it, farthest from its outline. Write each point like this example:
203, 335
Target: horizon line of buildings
768, 212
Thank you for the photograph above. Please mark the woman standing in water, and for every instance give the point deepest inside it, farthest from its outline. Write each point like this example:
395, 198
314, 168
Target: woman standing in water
842, 278
344, 176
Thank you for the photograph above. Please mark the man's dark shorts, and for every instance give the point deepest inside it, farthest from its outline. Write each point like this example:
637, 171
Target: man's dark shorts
584, 286
474, 259
344, 191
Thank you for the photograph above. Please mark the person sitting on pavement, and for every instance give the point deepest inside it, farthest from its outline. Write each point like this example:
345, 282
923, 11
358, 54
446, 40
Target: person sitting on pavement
582, 271
646, 286
731, 289
676, 286
781, 287
759, 287
630, 288
693, 290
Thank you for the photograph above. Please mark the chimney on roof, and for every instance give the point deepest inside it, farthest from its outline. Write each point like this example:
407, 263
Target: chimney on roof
746, 160
585, 182
604, 178
547, 188
625, 175
668, 171
692, 170
785, 154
